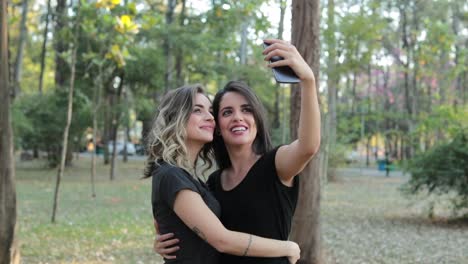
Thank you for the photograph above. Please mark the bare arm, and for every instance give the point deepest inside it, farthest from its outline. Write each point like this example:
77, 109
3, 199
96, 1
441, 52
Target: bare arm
291, 159
193, 211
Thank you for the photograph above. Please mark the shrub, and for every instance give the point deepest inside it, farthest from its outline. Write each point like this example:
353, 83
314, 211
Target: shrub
441, 170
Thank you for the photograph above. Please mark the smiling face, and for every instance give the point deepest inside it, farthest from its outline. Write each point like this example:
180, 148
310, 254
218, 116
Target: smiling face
201, 124
236, 120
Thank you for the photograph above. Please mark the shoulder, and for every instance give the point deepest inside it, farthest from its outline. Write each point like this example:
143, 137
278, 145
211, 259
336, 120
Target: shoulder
269, 156
166, 174
164, 169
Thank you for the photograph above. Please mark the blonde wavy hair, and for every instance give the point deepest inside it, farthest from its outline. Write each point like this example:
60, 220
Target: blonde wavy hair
166, 139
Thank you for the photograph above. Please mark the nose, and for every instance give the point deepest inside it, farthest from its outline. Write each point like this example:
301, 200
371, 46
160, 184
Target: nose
237, 116
209, 116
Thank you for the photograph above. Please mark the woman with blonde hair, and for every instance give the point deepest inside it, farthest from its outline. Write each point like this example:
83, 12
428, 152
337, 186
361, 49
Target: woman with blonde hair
182, 203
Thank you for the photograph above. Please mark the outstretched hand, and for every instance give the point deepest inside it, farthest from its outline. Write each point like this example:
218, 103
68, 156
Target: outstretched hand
292, 58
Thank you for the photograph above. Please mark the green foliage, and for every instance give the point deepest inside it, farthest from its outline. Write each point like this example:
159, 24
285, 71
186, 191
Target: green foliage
442, 169
337, 156
39, 121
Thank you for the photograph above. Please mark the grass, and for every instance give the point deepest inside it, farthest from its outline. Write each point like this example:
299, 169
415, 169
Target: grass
364, 219
113, 227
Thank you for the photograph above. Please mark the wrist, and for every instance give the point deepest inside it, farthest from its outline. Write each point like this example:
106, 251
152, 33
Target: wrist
308, 78
290, 249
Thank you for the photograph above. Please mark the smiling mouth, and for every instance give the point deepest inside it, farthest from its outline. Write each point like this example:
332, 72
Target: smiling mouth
237, 129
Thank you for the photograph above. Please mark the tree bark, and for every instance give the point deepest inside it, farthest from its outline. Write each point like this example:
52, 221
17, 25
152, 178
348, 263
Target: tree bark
7, 168
306, 221
20, 54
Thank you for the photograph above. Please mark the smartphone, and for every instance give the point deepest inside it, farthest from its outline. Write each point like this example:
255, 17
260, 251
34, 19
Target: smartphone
283, 74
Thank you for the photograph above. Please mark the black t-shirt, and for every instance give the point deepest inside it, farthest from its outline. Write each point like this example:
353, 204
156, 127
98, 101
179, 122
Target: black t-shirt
261, 205
167, 182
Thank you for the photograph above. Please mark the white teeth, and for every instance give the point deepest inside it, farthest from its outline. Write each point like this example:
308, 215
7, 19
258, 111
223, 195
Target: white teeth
238, 129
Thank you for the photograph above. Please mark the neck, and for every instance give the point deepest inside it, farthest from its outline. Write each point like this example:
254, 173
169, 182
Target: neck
242, 158
193, 149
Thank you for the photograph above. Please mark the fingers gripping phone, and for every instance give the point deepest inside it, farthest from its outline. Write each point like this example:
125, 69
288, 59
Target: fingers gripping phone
283, 74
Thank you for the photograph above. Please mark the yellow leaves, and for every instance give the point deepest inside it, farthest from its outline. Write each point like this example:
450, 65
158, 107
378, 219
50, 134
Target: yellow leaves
117, 55
219, 12
107, 3
126, 25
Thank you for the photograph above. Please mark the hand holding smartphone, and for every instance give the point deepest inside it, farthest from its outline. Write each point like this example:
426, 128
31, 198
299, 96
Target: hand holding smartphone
283, 74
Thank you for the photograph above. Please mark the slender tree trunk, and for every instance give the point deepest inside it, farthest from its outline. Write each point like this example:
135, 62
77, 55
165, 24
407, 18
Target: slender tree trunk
8, 248
408, 95
69, 118
44, 48
65, 133
243, 42
171, 4
97, 104
276, 118
332, 83
180, 55
306, 222
20, 54
354, 94
127, 125
115, 126
61, 67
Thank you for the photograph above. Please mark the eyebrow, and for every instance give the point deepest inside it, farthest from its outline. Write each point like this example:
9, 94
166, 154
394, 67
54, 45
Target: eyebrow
201, 106
242, 106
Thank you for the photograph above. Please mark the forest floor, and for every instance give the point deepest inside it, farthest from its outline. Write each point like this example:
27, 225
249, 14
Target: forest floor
364, 218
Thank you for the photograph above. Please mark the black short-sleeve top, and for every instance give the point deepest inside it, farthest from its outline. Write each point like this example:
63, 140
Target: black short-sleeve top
260, 204
168, 180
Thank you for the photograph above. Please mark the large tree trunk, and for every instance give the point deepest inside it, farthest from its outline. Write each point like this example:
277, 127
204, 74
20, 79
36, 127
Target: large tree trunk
7, 168
44, 48
20, 54
306, 222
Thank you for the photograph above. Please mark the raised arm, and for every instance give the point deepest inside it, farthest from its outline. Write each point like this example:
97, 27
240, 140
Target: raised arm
291, 159
193, 211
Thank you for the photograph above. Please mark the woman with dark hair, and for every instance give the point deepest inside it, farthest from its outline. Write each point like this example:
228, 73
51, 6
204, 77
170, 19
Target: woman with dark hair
256, 185
181, 202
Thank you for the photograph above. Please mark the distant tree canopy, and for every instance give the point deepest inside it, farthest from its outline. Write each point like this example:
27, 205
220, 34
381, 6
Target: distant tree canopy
391, 64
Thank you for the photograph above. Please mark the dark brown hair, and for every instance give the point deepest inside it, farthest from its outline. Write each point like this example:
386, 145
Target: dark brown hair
262, 142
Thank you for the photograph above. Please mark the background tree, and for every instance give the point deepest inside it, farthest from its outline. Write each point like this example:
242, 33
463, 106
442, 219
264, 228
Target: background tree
7, 168
306, 222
